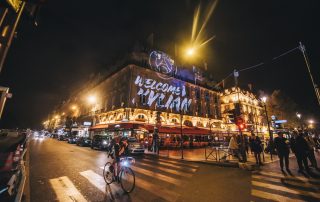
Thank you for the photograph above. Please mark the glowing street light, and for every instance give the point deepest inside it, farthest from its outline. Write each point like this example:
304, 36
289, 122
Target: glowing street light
311, 121
73, 107
92, 99
298, 115
57, 116
264, 99
190, 51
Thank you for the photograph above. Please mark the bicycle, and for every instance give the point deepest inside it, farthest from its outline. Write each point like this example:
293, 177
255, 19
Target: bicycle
125, 175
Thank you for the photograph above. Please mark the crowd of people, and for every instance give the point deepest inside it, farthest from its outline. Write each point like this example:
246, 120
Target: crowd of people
302, 144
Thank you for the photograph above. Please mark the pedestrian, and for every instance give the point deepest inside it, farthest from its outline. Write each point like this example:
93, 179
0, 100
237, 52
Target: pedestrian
234, 147
250, 143
301, 148
310, 153
282, 147
256, 148
246, 143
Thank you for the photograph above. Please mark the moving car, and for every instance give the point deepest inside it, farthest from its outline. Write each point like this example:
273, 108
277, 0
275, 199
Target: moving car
83, 141
134, 146
101, 142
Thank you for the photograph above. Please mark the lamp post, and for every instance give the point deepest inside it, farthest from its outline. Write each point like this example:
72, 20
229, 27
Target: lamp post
92, 101
181, 144
264, 100
299, 118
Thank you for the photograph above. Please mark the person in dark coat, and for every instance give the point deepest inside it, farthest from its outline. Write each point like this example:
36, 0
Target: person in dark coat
282, 146
310, 153
301, 150
256, 148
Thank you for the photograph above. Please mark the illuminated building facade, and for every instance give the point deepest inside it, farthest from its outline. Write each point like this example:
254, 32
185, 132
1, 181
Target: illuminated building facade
139, 100
251, 110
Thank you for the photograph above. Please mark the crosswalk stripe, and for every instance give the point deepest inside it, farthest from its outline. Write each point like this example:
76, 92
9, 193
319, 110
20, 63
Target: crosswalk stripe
285, 189
65, 190
272, 196
274, 174
300, 184
156, 175
170, 165
159, 191
175, 172
98, 181
176, 162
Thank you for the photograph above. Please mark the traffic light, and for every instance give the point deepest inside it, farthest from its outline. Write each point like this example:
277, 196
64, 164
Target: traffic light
240, 123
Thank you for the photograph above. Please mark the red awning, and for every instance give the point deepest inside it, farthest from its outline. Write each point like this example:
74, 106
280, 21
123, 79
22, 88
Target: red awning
162, 129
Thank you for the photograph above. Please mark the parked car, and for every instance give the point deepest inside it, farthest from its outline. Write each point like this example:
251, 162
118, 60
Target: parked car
83, 141
101, 142
135, 147
72, 139
62, 137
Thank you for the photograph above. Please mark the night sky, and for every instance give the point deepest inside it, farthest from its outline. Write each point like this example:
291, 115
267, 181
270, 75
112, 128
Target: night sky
76, 40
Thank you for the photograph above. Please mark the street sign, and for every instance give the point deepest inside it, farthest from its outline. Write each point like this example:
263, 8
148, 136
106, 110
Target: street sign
280, 121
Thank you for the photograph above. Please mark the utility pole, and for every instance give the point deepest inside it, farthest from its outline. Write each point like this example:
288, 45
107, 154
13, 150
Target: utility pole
315, 86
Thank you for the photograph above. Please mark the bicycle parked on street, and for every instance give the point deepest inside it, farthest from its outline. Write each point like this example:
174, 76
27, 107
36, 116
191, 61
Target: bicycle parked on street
125, 176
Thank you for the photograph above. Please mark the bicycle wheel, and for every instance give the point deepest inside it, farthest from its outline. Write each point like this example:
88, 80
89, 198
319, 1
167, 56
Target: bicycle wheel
127, 179
108, 173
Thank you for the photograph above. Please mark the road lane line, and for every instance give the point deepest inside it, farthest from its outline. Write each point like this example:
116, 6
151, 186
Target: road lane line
65, 190
175, 172
157, 176
170, 165
271, 196
294, 183
285, 189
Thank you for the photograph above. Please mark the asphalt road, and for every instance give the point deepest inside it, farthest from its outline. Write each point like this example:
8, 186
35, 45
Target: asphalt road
63, 172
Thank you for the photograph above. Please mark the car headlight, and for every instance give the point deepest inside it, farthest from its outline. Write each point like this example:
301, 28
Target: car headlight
104, 142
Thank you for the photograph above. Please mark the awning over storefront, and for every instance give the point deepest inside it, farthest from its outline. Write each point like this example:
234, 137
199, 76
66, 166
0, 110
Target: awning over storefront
150, 128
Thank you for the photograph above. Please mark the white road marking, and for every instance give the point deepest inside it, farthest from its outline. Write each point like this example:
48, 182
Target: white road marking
175, 172
65, 190
170, 165
272, 196
285, 189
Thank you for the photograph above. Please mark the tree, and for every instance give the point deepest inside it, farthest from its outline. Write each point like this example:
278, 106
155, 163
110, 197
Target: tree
283, 107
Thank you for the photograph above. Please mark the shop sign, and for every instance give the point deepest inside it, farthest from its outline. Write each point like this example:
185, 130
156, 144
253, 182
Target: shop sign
173, 96
87, 123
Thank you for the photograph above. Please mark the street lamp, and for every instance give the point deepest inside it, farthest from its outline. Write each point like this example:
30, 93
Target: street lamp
264, 100
190, 51
299, 117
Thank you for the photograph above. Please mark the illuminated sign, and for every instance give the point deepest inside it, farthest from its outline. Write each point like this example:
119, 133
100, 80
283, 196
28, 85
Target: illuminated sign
171, 95
161, 62
87, 123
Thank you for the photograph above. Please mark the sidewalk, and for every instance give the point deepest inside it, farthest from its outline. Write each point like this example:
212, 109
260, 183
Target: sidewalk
210, 156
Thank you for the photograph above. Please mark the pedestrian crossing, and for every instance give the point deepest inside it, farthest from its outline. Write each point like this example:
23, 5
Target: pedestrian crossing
279, 187
155, 181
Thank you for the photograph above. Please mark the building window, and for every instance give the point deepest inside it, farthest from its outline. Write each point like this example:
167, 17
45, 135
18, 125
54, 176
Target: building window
197, 93
174, 120
143, 99
207, 96
140, 116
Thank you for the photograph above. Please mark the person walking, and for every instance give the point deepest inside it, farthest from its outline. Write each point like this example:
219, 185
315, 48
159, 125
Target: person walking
256, 148
301, 150
282, 147
234, 147
310, 153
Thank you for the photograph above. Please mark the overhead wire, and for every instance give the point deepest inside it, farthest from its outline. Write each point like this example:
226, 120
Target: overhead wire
258, 65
